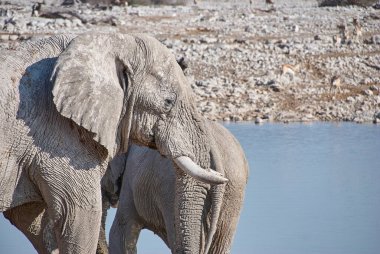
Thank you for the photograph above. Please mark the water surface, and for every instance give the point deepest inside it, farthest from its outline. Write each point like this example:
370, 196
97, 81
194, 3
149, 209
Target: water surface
313, 188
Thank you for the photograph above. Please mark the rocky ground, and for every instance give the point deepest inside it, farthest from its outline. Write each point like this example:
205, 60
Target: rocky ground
236, 53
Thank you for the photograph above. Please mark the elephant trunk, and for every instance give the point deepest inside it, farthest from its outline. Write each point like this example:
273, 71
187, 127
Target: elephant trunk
198, 207
102, 247
217, 194
190, 200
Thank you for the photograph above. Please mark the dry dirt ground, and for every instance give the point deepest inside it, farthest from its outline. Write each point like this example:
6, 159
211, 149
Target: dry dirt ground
245, 62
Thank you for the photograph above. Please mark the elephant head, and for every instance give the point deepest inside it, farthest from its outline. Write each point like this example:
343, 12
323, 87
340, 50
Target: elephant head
129, 88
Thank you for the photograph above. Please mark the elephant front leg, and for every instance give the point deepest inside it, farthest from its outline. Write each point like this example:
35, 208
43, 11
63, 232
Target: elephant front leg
126, 227
78, 231
74, 210
124, 236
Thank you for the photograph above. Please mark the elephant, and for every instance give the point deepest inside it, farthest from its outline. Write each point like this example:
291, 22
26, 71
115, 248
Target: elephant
70, 104
189, 216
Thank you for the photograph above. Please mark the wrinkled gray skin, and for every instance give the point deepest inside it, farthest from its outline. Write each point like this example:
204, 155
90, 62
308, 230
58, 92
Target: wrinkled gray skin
67, 107
189, 216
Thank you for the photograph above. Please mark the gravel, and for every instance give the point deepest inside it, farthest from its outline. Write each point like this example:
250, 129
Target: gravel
233, 53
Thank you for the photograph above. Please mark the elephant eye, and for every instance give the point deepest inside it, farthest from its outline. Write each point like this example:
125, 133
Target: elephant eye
169, 103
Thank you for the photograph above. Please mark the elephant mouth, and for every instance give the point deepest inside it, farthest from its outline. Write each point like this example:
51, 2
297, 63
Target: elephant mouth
152, 146
149, 141
152, 142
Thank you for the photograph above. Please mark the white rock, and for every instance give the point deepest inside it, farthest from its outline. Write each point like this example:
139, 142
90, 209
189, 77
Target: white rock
4, 37
13, 37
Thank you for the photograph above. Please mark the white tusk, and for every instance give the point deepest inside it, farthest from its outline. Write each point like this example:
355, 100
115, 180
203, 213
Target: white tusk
191, 168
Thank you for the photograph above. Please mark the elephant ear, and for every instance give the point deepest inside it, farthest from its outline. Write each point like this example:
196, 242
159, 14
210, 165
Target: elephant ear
86, 87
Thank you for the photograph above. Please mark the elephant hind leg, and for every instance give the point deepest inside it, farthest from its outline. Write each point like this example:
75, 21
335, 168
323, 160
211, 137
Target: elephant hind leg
29, 219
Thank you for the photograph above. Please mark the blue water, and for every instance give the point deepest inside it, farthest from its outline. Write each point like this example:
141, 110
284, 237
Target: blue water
313, 189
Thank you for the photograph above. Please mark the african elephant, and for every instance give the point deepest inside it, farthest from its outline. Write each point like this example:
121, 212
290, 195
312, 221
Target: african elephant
67, 107
188, 215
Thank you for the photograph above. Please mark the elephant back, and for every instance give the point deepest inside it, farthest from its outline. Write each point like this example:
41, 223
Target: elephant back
14, 65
